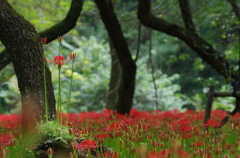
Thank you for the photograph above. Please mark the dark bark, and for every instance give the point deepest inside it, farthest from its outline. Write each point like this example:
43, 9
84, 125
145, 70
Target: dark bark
128, 66
23, 44
191, 38
112, 96
187, 15
53, 32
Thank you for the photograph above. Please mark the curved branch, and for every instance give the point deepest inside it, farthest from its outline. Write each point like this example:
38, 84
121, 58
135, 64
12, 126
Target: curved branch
187, 15
138, 41
193, 40
236, 8
53, 32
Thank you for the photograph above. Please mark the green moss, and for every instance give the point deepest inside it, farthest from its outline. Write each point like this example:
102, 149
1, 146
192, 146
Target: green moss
54, 131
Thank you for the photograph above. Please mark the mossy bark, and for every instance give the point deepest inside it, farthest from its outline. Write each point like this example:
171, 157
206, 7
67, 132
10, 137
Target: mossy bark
68, 23
22, 42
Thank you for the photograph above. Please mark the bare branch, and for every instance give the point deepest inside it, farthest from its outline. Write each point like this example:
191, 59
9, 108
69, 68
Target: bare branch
236, 7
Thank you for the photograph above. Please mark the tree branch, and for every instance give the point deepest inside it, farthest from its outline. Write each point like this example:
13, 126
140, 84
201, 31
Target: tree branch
236, 8
193, 40
53, 32
187, 15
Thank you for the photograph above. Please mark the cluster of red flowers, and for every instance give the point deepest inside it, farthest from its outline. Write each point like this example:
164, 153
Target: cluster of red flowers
162, 131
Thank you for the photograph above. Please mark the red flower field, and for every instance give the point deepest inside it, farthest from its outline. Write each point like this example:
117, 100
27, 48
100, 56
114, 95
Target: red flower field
144, 134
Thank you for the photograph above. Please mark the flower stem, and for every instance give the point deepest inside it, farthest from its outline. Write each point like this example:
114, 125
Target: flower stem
59, 48
69, 97
59, 108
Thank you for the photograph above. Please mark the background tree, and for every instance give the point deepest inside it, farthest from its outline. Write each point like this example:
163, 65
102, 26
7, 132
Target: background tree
127, 64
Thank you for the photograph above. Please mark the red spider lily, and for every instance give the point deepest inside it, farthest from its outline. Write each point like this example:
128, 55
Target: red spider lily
114, 126
199, 143
59, 38
58, 60
101, 136
43, 40
10, 122
6, 139
212, 123
166, 153
72, 55
86, 145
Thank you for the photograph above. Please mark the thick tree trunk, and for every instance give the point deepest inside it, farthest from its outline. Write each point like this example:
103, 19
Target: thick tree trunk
128, 66
68, 23
112, 96
22, 42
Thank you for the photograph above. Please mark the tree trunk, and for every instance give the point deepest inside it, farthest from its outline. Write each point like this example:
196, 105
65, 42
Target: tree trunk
53, 32
114, 79
22, 42
127, 64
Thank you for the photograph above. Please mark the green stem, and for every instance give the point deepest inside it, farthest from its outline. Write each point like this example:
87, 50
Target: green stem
59, 88
69, 97
59, 50
59, 108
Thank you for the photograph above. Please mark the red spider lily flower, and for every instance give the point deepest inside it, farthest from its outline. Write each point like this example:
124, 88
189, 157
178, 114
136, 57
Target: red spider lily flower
212, 123
101, 136
109, 155
43, 40
58, 60
167, 153
114, 126
59, 38
10, 122
199, 143
6, 139
86, 145
72, 55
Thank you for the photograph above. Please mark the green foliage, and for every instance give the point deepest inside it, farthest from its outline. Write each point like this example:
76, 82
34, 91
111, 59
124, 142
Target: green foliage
40, 13
9, 96
225, 103
54, 131
167, 90
91, 73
